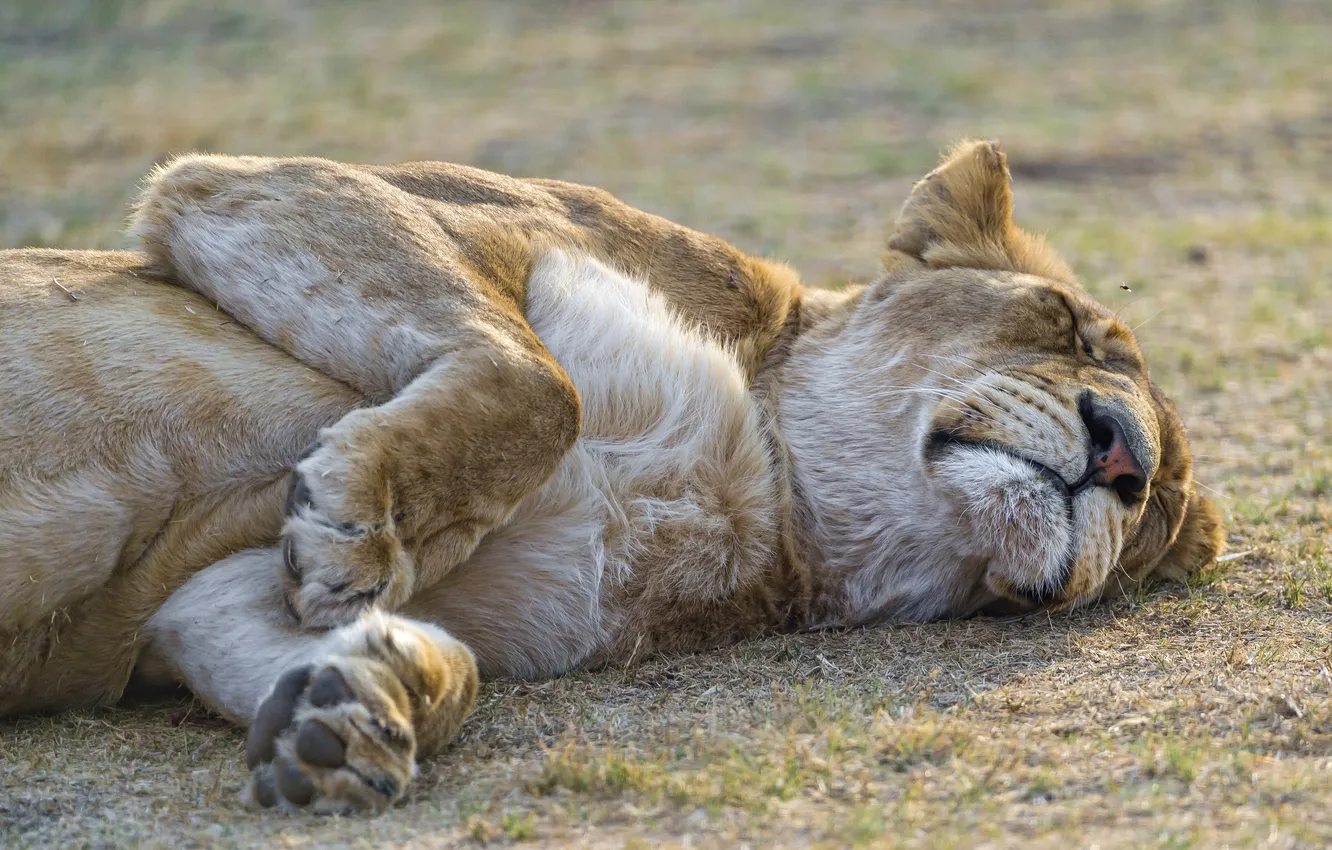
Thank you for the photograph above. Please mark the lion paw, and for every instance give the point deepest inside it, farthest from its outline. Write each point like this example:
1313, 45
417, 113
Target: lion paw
343, 734
341, 549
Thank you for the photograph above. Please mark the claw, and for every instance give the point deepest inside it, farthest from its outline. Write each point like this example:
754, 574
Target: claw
289, 559
385, 786
291, 607
299, 494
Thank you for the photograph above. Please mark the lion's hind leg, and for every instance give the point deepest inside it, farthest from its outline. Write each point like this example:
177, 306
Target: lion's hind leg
345, 731
337, 720
374, 287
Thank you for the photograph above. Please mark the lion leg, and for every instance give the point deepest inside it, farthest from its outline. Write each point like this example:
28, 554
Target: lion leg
355, 278
336, 720
392, 498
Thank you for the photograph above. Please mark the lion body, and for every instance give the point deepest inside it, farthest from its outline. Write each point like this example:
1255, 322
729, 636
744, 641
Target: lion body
667, 504
143, 438
547, 430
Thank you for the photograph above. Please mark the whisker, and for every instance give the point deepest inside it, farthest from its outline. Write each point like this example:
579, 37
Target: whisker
1146, 320
946, 377
961, 360
1130, 304
891, 392
869, 373
1214, 492
918, 389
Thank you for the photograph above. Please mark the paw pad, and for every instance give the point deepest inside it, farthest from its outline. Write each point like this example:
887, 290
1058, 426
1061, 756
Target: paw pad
316, 744
330, 689
274, 715
332, 739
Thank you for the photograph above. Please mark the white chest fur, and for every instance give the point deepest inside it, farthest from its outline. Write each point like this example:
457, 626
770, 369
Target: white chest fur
670, 490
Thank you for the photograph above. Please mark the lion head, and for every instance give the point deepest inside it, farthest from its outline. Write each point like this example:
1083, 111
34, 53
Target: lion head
976, 432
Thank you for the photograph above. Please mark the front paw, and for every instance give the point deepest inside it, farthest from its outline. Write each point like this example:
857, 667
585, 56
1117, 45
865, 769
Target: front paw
341, 551
333, 737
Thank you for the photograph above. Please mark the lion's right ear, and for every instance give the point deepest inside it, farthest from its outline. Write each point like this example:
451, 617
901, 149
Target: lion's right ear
961, 214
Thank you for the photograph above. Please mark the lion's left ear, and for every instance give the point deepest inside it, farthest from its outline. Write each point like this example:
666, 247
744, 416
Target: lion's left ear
1200, 541
1151, 553
961, 214
1180, 531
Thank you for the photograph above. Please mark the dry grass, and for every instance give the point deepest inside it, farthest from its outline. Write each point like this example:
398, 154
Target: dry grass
1182, 148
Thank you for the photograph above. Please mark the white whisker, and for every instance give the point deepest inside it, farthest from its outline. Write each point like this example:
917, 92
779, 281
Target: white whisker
1216, 493
960, 360
1146, 320
947, 377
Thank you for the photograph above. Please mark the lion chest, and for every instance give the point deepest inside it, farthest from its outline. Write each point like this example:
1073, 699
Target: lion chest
665, 508
670, 485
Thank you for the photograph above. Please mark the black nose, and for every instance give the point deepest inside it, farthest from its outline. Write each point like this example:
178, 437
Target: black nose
1112, 462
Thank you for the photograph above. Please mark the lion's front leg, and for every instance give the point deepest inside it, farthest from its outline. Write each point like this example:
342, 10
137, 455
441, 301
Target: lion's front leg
336, 720
393, 497
362, 282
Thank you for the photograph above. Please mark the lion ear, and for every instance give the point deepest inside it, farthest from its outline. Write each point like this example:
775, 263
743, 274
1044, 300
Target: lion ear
1199, 542
961, 214
1180, 531
1153, 553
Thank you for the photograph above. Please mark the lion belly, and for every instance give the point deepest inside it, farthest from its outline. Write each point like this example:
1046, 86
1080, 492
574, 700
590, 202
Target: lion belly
665, 508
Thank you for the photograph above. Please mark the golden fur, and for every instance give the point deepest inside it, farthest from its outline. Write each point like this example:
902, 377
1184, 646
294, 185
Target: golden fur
544, 429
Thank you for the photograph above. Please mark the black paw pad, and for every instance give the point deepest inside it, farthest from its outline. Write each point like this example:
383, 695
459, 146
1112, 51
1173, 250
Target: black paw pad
330, 689
295, 786
316, 744
263, 788
274, 715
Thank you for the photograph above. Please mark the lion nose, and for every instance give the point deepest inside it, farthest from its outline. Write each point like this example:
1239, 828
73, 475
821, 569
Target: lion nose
1113, 464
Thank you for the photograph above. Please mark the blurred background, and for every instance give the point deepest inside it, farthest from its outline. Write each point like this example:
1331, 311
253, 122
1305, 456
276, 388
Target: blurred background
1183, 149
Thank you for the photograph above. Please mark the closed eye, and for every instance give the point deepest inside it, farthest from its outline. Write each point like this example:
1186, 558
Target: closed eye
1078, 340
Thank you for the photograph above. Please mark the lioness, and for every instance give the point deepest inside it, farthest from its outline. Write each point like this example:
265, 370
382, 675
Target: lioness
343, 438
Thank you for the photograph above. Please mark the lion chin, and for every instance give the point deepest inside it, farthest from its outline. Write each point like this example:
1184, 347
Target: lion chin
1023, 520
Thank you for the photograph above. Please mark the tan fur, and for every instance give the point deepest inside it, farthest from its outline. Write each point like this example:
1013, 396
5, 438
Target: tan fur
547, 429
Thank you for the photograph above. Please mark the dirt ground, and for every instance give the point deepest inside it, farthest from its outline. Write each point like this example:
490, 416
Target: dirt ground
1183, 149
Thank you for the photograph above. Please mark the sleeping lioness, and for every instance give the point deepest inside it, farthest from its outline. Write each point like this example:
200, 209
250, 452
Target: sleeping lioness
343, 438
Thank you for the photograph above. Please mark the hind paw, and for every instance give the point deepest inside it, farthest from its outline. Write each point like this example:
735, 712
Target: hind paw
343, 734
